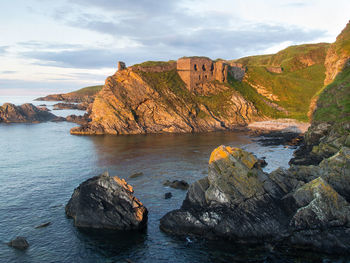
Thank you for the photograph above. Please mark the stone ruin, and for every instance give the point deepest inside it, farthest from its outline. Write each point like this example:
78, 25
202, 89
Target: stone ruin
198, 71
121, 65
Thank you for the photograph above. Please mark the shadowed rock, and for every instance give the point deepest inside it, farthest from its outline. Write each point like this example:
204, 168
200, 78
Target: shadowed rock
105, 202
19, 243
177, 184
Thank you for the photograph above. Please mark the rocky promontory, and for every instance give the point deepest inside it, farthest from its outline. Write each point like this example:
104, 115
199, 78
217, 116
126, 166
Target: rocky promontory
85, 95
306, 207
25, 113
105, 202
154, 98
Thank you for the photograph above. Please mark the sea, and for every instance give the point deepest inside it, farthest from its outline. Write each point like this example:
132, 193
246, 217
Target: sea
41, 164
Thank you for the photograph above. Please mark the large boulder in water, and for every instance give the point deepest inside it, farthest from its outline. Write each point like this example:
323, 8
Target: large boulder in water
238, 201
105, 202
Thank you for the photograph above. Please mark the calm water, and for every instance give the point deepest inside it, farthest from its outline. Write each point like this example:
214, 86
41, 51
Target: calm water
41, 164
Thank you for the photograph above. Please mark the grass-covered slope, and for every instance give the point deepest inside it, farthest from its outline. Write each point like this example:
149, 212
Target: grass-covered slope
333, 104
87, 91
86, 94
302, 75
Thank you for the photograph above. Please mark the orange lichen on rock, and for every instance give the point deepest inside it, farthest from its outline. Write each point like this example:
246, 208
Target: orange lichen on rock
223, 152
123, 183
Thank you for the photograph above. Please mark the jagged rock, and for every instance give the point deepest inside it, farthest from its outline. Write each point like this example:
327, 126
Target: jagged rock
240, 202
177, 184
19, 243
105, 202
25, 113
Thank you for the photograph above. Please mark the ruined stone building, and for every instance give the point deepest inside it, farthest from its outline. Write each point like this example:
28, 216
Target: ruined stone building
198, 71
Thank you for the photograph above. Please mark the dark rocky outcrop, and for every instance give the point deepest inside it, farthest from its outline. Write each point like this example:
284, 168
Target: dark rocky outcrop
71, 106
105, 202
305, 206
19, 243
82, 120
25, 113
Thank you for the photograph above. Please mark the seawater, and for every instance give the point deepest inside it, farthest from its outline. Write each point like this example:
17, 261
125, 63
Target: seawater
41, 164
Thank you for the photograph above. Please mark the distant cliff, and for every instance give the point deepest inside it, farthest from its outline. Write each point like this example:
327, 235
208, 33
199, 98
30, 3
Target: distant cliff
82, 95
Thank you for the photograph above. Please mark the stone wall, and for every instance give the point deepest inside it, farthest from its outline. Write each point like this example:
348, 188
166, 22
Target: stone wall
198, 71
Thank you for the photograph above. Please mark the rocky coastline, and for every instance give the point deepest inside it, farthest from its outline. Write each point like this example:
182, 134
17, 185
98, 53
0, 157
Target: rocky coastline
26, 113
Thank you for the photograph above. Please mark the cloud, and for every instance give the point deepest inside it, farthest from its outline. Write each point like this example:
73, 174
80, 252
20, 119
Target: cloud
213, 42
32, 44
8, 72
22, 87
3, 49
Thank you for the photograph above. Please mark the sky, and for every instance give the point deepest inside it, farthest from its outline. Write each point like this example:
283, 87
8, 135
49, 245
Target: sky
58, 46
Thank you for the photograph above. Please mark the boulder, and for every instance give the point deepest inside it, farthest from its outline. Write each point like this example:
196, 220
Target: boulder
19, 243
105, 202
236, 200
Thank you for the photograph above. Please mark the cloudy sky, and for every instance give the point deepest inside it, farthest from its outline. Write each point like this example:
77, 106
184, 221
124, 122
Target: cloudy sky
57, 46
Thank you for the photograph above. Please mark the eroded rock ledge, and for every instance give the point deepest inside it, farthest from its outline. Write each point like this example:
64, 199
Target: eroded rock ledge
305, 206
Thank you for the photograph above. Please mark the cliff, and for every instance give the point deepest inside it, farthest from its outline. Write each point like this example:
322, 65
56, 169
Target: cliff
152, 98
338, 55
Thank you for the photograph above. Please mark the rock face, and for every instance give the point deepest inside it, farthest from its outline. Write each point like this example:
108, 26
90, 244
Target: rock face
154, 99
24, 113
337, 55
303, 206
105, 202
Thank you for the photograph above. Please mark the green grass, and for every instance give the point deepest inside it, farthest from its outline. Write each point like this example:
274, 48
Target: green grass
297, 84
259, 101
87, 91
333, 104
153, 63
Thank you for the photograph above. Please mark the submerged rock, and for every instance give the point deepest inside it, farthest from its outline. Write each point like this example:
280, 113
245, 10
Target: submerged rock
177, 184
168, 195
19, 243
238, 201
105, 202
43, 225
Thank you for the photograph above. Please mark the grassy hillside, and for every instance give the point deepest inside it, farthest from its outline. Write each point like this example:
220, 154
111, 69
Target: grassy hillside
87, 91
302, 76
333, 104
